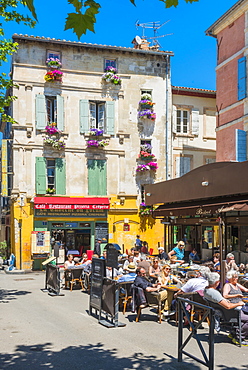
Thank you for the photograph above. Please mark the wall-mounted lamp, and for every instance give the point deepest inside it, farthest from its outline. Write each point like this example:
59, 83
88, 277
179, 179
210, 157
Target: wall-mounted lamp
29, 131
204, 183
122, 200
148, 194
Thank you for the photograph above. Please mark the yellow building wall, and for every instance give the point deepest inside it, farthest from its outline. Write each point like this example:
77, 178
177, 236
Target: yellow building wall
150, 230
21, 225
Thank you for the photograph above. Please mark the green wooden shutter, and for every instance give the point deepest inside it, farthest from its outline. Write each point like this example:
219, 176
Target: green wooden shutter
60, 176
97, 177
84, 115
40, 112
60, 112
110, 117
40, 175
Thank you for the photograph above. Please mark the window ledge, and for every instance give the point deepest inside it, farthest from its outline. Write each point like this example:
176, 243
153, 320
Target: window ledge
104, 136
178, 134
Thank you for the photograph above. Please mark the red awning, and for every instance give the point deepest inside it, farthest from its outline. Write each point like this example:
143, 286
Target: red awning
70, 203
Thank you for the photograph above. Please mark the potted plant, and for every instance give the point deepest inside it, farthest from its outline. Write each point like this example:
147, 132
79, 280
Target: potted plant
96, 132
52, 76
145, 210
50, 191
54, 63
146, 155
110, 76
55, 143
51, 129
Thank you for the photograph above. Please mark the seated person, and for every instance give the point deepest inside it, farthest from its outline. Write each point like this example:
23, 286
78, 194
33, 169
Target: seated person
216, 259
104, 255
131, 275
141, 282
230, 262
110, 273
196, 284
127, 262
232, 290
178, 252
144, 248
165, 279
144, 263
154, 270
162, 255
136, 257
84, 258
193, 256
69, 263
213, 295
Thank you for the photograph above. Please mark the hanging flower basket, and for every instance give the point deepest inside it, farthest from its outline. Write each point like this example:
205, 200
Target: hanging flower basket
147, 113
54, 143
52, 76
54, 63
110, 76
145, 210
146, 104
151, 166
96, 132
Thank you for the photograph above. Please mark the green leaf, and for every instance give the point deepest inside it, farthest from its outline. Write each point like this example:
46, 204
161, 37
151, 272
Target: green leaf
79, 23
77, 4
30, 5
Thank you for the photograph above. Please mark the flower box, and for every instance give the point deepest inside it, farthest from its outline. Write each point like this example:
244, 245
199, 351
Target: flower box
50, 191
51, 129
54, 142
146, 156
151, 166
54, 63
52, 76
97, 143
110, 76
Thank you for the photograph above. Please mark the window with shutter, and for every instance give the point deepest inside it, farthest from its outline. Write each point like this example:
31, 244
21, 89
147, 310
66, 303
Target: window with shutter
182, 121
241, 145
183, 166
242, 78
50, 174
97, 177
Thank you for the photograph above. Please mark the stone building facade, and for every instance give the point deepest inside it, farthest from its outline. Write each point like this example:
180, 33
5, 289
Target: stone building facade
66, 184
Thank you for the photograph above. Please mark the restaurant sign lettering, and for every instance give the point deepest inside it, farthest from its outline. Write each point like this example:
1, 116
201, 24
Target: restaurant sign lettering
72, 206
69, 212
203, 212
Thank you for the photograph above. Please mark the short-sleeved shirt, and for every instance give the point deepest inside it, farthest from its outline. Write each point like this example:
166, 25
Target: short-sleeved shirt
194, 284
213, 295
179, 253
141, 282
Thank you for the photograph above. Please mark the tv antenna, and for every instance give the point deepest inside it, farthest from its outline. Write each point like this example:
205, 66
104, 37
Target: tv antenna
152, 25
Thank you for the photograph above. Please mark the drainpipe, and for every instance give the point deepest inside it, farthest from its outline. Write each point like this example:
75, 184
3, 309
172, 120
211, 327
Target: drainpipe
166, 117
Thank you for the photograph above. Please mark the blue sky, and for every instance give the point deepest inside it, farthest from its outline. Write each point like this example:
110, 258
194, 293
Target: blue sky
195, 54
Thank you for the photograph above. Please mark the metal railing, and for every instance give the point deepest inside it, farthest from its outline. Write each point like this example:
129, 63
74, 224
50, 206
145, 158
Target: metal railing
207, 311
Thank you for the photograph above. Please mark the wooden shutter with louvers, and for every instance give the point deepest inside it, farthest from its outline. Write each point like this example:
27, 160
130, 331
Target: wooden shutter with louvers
40, 112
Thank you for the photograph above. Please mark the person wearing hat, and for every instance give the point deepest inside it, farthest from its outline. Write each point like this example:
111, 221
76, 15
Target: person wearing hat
162, 255
131, 275
97, 249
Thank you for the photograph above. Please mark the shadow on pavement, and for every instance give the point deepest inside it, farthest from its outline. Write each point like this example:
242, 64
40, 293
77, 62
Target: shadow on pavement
9, 295
91, 356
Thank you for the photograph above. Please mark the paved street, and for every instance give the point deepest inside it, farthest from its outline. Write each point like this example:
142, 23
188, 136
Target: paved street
40, 331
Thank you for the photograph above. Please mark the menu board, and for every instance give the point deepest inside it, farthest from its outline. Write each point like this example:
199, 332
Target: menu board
112, 257
98, 273
101, 231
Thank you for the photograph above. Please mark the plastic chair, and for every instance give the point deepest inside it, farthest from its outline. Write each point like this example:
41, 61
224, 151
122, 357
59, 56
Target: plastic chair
151, 251
76, 276
89, 253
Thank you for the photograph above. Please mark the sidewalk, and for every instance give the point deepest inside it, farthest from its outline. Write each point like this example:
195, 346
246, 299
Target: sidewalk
39, 331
